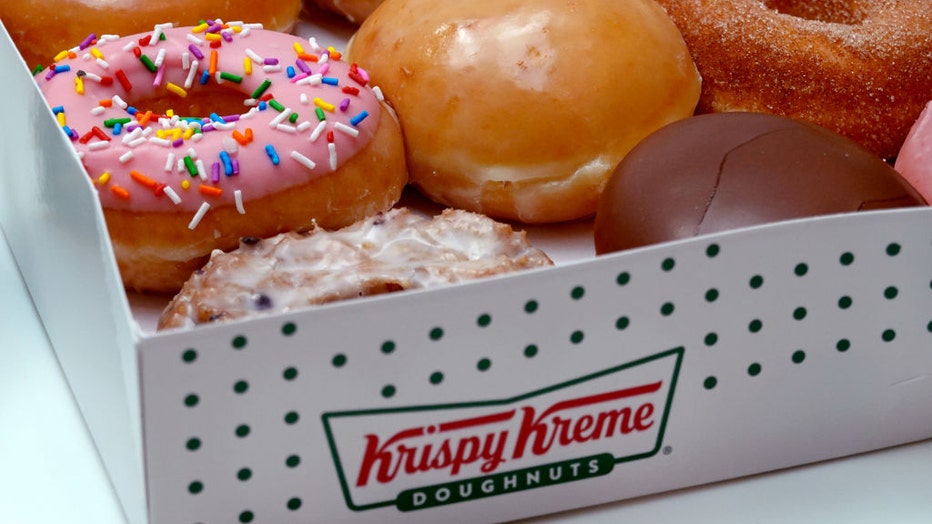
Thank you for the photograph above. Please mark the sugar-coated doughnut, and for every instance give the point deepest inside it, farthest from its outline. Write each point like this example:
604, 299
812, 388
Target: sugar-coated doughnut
356, 11
521, 109
721, 171
914, 161
42, 29
389, 252
197, 136
862, 68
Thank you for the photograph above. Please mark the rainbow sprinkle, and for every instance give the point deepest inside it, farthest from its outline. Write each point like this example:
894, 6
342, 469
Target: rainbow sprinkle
200, 54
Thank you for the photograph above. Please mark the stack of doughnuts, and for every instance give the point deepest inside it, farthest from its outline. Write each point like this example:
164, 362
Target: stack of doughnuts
862, 68
199, 137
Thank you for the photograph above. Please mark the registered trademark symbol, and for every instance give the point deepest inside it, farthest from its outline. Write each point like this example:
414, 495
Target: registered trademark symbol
667, 450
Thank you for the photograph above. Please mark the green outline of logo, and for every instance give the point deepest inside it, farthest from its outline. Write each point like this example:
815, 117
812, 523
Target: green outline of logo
677, 352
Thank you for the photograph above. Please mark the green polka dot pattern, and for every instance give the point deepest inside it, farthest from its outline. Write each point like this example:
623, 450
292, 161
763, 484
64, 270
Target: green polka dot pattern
753, 315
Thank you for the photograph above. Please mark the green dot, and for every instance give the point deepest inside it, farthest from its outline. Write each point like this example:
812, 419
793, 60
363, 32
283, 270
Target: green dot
754, 369
668, 264
242, 430
846, 259
577, 292
929, 326
483, 364
531, 306
843, 345
888, 335
294, 503
484, 320
289, 329
290, 373
291, 417
388, 391
755, 325
890, 293
195, 487
710, 339
339, 360
801, 269
798, 356
756, 282
845, 302
623, 278
388, 347
710, 382
436, 333
246, 516
241, 386
667, 309
893, 249
191, 400
293, 461
436, 378
244, 474
189, 356
193, 444
239, 342
799, 313
530, 351
711, 295
622, 323
712, 250
576, 337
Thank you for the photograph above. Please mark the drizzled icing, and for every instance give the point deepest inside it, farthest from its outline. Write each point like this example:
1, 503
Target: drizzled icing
304, 113
392, 251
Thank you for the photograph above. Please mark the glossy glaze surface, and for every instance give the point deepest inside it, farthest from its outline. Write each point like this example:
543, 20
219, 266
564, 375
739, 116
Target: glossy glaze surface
724, 171
521, 109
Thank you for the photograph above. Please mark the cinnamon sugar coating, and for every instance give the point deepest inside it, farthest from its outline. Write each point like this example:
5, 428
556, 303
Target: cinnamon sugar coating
862, 68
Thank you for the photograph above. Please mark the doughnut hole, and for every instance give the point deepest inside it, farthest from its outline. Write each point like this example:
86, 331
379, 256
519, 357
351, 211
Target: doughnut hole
198, 103
845, 12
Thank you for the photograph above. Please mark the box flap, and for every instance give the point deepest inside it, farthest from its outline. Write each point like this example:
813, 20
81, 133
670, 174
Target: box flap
56, 230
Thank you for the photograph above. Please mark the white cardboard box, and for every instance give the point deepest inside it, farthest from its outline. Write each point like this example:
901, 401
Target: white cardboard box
597, 380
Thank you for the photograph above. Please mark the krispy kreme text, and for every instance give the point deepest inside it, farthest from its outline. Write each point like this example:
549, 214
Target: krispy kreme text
483, 441
420, 457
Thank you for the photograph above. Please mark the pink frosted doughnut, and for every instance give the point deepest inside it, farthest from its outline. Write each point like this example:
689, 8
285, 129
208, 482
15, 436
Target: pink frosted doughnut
914, 161
197, 136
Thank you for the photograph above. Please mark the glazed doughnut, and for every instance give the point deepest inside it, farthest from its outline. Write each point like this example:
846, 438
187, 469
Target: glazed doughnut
356, 11
914, 161
42, 29
197, 136
862, 68
520, 110
389, 252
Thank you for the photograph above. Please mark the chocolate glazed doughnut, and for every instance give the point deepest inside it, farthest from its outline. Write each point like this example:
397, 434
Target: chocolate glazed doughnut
721, 171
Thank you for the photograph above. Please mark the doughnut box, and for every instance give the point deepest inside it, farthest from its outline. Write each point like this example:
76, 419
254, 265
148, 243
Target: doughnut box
599, 379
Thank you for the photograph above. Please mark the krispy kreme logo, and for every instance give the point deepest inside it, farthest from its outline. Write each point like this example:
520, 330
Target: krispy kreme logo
420, 457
